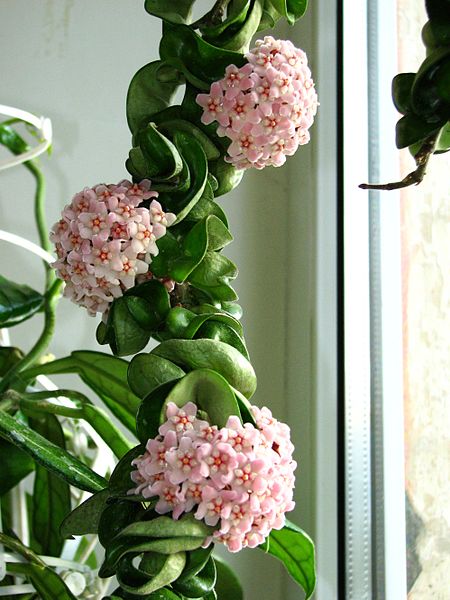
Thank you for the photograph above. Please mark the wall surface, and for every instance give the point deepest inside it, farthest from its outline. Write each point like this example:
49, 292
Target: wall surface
72, 60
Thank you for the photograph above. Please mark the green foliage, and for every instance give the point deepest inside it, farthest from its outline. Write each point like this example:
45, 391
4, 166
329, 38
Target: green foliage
18, 302
106, 375
49, 455
227, 585
175, 12
295, 549
290, 9
85, 518
16, 464
214, 355
51, 494
147, 372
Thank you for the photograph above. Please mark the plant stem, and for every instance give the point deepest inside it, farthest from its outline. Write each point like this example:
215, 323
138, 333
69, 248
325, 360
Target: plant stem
39, 214
40, 346
415, 177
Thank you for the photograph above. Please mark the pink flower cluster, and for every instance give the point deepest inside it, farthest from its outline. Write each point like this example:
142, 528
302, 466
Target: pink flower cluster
104, 242
265, 107
239, 478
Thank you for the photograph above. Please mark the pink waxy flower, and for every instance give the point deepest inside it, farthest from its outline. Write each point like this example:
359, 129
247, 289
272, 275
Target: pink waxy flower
265, 107
239, 479
105, 242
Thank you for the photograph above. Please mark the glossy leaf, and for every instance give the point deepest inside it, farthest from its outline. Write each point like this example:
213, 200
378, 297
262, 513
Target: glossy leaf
16, 464
106, 375
85, 518
115, 517
175, 12
197, 586
171, 126
120, 480
290, 9
295, 549
401, 91
148, 416
51, 494
425, 97
50, 456
193, 154
198, 321
200, 62
227, 585
411, 129
236, 15
208, 354
227, 175
147, 371
171, 567
209, 391
240, 41
178, 259
162, 160
18, 302
215, 330
178, 320
149, 94
213, 275
166, 527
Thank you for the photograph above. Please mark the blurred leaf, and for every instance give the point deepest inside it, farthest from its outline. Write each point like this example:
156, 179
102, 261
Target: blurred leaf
443, 141
209, 354
46, 582
18, 302
147, 371
425, 98
209, 391
200, 62
295, 549
51, 494
227, 585
120, 481
148, 94
106, 375
85, 518
16, 464
175, 12
50, 456
9, 356
401, 91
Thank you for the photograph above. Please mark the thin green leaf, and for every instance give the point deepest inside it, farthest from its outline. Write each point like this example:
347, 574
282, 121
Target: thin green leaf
50, 456
51, 494
106, 375
18, 302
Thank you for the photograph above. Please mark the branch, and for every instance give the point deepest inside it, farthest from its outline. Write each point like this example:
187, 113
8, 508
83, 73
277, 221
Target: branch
415, 177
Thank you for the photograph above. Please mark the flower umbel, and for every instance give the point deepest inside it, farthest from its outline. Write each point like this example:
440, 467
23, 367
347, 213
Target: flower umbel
265, 107
105, 241
239, 478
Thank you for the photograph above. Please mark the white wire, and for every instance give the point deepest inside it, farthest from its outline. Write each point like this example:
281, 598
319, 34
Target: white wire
42, 124
17, 240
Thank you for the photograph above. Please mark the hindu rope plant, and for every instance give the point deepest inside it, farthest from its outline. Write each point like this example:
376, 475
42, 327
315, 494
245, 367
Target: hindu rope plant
209, 466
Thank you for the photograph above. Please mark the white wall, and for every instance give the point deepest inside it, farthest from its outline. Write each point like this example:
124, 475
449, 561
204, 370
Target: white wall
72, 60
